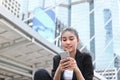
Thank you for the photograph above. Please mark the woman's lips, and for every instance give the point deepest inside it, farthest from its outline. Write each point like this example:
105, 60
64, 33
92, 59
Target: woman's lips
68, 47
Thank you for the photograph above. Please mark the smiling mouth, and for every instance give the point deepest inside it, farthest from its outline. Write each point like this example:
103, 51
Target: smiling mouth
68, 47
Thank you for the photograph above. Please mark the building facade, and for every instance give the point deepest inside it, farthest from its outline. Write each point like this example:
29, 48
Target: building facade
106, 32
13, 6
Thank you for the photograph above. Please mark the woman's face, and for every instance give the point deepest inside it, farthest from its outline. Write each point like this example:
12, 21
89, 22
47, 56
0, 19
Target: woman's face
69, 41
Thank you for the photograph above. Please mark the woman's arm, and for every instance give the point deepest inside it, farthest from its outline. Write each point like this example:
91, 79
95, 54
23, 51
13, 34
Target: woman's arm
56, 60
78, 74
74, 67
63, 65
58, 68
88, 67
57, 75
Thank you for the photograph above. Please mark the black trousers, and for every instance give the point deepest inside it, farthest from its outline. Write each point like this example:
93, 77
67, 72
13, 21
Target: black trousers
42, 74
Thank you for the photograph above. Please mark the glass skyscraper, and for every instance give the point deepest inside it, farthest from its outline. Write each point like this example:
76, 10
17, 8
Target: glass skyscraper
105, 33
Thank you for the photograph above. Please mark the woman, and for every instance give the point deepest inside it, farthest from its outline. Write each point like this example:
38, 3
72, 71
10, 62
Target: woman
76, 67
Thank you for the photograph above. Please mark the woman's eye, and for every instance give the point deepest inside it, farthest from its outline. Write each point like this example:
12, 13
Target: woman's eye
64, 39
71, 39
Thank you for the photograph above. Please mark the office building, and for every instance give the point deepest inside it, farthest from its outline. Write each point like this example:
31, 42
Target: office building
106, 25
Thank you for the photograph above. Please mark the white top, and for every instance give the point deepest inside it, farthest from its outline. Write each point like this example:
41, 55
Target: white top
68, 74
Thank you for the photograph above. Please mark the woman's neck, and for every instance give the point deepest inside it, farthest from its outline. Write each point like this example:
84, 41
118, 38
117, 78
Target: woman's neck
72, 54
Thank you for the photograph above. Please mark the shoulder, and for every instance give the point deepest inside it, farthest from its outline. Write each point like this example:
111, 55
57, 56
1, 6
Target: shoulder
56, 61
57, 57
87, 58
86, 55
83, 54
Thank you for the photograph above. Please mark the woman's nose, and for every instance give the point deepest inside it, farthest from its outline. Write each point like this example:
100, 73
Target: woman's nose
68, 41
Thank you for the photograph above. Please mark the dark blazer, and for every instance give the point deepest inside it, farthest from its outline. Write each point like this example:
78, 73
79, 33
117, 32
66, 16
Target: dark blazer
84, 62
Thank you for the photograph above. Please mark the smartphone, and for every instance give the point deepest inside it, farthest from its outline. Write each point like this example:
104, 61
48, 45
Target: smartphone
64, 54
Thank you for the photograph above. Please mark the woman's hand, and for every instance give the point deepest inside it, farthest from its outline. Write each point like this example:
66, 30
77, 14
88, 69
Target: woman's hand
64, 64
73, 64
67, 64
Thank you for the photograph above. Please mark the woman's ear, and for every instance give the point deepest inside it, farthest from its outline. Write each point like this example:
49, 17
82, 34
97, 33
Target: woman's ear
78, 40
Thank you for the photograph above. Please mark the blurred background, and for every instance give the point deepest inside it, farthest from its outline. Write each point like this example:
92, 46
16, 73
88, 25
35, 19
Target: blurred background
30, 35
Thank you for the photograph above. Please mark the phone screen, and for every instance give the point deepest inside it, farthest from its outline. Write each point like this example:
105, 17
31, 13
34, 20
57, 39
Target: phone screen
64, 54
